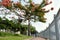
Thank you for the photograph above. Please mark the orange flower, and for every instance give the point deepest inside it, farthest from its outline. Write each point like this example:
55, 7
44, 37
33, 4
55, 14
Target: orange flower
46, 2
32, 3
6, 2
50, 2
33, 9
0, 2
18, 5
43, 9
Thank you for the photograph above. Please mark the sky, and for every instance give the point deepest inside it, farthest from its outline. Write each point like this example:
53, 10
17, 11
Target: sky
50, 16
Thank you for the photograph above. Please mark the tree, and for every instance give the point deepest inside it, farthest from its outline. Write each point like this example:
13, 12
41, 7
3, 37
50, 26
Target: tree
24, 29
9, 25
35, 10
33, 30
32, 10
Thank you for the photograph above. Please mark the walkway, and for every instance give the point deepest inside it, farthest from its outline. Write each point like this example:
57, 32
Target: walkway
37, 38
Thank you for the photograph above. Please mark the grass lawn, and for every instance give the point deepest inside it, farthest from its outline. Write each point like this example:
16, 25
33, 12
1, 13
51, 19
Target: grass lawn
13, 38
8, 36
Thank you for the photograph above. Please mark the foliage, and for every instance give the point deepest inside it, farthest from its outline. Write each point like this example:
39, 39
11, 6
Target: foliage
2, 26
24, 29
9, 24
33, 30
36, 10
5, 34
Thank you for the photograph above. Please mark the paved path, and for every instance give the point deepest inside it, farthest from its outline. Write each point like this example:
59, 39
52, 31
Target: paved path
36, 38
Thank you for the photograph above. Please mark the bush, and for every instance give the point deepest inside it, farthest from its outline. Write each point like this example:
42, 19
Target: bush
16, 34
5, 34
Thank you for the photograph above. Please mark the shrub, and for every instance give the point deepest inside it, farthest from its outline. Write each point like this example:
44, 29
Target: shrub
5, 34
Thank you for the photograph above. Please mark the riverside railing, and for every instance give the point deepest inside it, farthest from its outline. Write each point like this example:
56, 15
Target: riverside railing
53, 31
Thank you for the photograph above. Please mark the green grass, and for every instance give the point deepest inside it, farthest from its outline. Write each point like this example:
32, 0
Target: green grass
13, 38
9, 36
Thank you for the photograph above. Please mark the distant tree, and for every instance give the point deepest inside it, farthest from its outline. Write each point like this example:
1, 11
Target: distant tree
33, 30
24, 29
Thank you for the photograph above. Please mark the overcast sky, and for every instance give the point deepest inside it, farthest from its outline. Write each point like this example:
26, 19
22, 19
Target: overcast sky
50, 16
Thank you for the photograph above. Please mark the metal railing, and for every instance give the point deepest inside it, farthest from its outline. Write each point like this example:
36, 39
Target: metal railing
53, 31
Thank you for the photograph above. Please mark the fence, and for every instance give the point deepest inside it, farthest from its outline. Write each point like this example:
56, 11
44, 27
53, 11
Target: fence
53, 31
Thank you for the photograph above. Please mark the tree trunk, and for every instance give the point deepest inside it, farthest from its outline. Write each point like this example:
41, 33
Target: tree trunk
29, 32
